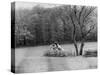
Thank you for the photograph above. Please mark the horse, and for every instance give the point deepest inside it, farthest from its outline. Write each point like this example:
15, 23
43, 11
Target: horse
55, 47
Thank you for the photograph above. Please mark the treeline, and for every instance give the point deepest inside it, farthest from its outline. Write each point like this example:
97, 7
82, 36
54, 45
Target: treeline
41, 26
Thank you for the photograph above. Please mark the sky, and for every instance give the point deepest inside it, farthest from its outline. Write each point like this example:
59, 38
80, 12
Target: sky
29, 5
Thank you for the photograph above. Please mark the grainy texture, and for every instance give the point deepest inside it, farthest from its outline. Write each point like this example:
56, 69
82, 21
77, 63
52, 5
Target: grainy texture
53, 37
32, 59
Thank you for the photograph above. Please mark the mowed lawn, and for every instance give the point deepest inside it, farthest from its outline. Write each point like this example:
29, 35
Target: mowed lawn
31, 59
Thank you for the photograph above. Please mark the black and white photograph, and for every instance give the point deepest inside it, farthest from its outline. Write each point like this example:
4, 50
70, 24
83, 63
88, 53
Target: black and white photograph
48, 37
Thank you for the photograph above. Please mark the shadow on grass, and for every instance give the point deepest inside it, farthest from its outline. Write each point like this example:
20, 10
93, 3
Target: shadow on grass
57, 53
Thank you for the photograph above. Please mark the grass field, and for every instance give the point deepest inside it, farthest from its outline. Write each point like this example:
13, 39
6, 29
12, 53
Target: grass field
31, 59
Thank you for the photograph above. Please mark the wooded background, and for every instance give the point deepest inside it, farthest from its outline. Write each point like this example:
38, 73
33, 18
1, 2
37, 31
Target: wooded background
42, 26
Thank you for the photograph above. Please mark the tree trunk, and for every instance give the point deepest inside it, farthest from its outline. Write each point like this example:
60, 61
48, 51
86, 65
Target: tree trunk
81, 47
75, 44
74, 35
74, 40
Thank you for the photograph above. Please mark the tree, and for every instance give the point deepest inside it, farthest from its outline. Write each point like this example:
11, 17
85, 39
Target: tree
83, 18
22, 34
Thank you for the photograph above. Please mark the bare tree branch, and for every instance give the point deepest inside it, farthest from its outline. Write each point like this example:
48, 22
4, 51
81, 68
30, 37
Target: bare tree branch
80, 14
81, 25
78, 19
90, 11
89, 31
73, 24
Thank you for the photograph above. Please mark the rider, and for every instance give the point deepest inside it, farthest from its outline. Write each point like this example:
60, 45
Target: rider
56, 46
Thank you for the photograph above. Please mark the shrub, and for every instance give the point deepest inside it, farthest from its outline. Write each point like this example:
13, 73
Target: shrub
90, 53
